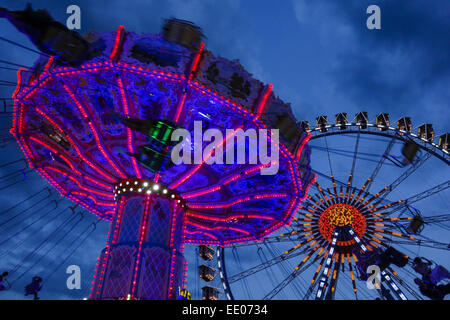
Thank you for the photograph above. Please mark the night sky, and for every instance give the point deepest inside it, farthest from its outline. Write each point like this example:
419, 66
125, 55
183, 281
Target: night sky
318, 55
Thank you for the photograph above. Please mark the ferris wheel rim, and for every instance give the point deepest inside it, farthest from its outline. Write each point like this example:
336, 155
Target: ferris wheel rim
392, 132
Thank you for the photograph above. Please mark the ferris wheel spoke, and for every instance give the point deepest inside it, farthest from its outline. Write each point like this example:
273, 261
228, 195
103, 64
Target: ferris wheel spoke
388, 189
318, 201
384, 275
352, 170
423, 243
372, 177
326, 271
404, 284
271, 239
437, 218
313, 281
328, 155
349, 154
283, 269
415, 198
243, 282
352, 275
262, 266
263, 258
331, 288
297, 271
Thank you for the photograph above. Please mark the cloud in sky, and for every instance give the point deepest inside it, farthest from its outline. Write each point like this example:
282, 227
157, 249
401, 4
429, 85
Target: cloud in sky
394, 68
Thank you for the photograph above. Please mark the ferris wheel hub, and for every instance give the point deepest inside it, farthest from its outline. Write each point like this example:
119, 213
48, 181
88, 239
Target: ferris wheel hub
341, 215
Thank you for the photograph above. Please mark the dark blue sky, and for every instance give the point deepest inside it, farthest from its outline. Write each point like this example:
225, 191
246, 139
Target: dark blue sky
319, 56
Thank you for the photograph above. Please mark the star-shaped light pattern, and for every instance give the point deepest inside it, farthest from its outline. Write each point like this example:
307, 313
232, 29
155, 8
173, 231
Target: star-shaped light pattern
329, 210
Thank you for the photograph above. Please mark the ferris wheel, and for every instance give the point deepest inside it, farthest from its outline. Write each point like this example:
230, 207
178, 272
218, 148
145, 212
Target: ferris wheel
380, 200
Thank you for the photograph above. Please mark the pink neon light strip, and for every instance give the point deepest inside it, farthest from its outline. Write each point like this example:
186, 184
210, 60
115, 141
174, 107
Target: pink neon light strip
203, 233
56, 152
237, 216
16, 102
171, 244
21, 115
29, 156
300, 149
68, 162
202, 192
216, 96
218, 227
129, 132
245, 199
154, 73
184, 282
305, 193
143, 231
94, 131
107, 195
180, 107
112, 240
196, 60
108, 204
263, 101
101, 268
49, 63
95, 276
19, 82
221, 184
117, 42
281, 146
197, 167
191, 75
80, 154
118, 222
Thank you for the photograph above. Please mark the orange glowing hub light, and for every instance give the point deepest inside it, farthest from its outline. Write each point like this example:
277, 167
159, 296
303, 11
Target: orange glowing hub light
339, 215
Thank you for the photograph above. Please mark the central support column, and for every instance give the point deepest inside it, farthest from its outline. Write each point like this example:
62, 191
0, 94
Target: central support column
143, 258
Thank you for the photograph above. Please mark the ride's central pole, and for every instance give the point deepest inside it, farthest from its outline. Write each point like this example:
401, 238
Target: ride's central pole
143, 257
